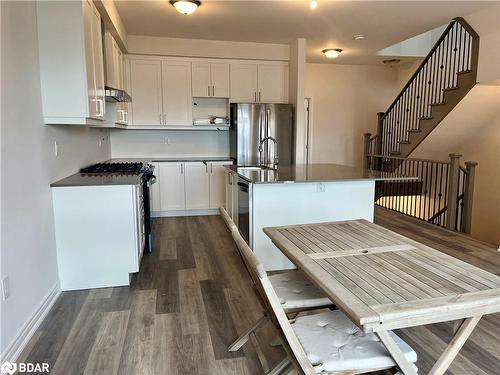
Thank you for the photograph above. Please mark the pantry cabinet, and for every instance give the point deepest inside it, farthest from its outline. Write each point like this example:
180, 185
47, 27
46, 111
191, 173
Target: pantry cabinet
188, 186
265, 82
71, 62
210, 79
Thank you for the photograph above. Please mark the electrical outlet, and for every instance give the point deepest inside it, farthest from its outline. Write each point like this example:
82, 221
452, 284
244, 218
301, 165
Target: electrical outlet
56, 148
320, 188
5, 288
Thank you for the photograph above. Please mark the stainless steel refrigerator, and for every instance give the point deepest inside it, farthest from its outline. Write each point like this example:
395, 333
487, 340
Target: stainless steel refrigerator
251, 123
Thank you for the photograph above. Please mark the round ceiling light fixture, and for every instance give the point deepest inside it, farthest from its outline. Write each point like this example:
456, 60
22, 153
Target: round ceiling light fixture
331, 53
313, 4
185, 6
359, 37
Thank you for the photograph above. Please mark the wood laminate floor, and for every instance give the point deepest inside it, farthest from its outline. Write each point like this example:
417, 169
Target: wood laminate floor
191, 298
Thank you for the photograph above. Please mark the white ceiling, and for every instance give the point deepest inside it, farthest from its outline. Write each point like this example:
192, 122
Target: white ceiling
331, 25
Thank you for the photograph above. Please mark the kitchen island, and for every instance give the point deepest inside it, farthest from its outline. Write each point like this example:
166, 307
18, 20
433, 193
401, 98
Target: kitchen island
298, 194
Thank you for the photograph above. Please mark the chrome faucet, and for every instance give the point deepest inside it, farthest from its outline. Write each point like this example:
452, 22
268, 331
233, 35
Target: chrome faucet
276, 159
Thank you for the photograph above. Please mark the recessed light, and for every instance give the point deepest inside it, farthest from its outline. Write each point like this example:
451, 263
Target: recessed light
332, 52
185, 6
313, 4
359, 37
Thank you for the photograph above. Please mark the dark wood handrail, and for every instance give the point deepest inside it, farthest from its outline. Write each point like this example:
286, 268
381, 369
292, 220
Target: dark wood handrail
464, 24
443, 210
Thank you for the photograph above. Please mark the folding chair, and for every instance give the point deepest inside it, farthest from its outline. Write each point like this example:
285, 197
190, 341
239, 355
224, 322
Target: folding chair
324, 343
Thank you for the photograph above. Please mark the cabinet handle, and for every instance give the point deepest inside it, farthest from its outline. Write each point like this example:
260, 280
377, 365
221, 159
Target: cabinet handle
182, 168
255, 95
161, 119
208, 90
260, 98
165, 119
206, 167
213, 90
211, 168
125, 117
100, 108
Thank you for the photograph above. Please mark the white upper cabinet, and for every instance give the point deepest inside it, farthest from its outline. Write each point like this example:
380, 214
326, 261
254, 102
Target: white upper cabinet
71, 62
265, 82
161, 91
197, 185
273, 83
210, 79
177, 97
146, 92
202, 83
244, 82
114, 63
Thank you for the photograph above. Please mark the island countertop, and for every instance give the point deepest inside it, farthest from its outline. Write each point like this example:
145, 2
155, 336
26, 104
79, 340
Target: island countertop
315, 173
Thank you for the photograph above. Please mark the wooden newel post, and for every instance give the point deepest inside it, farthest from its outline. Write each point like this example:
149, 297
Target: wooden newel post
366, 150
470, 167
452, 199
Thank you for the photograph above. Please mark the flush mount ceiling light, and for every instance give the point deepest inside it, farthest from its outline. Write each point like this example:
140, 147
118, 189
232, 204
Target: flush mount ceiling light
185, 6
313, 4
359, 37
331, 53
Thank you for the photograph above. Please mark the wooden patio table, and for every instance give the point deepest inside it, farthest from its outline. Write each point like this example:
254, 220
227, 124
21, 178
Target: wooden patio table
385, 281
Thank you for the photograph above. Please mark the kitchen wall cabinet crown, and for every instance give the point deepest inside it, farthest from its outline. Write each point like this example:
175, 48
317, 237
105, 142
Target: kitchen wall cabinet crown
210, 79
71, 62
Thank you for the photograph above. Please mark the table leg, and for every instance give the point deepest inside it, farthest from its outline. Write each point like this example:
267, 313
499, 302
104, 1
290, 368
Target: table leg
396, 353
455, 345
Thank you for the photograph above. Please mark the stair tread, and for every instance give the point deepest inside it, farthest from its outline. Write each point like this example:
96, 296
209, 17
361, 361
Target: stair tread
396, 153
426, 118
404, 142
452, 88
464, 72
438, 104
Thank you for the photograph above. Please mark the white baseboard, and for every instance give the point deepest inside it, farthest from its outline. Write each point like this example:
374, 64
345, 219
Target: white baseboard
212, 211
17, 345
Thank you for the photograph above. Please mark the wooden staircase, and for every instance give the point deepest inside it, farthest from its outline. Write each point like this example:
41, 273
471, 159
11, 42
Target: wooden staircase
442, 80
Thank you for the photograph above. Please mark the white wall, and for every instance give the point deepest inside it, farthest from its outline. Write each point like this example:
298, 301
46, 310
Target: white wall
346, 99
149, 45
297, 68
153, 143
28, 254
472, 129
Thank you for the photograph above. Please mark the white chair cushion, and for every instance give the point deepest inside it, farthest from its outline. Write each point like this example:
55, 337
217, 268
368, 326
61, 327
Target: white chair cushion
333, 343
295, 291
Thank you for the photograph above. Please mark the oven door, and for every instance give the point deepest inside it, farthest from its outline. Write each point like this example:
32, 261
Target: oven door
244, 209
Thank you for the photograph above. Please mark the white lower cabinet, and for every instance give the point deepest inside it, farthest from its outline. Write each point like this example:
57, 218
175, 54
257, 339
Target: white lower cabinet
187, 186
197, 186
231, 183
172, 186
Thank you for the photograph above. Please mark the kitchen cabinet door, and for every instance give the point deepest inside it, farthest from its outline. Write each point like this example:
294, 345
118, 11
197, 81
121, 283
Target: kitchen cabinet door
273, 83
155, 190
197, 186
89, 58
146, 92
98, 62
219, 73
201, 82
172, 186
229, 193
177, 97
218, 183
243, 82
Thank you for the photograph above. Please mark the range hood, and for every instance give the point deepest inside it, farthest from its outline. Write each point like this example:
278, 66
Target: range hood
116, 95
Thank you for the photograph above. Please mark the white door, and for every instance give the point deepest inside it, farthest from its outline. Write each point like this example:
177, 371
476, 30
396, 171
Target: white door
201, 83
172, 194
218, 184
273, 83
98, 62
177, 97
155, 190
243, 83
219, 73
145, 89
197, 186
